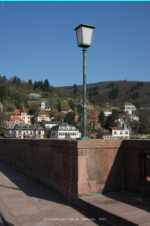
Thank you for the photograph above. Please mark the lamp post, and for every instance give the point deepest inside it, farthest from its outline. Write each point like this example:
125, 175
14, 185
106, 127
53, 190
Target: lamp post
84, 34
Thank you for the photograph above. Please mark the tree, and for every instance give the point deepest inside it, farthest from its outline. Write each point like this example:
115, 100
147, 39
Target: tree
101, 118
144, 117
33, 108
79, 109
110, 121
59, 116
30, 85
68, 117
59, 106
3, 117
71, 104
75, 87
3, 92
46, 85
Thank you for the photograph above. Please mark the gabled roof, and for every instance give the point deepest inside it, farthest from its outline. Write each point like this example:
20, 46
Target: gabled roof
42, 112
64, 125
65, 109
116, 128
128, 103
17, 118
26, 127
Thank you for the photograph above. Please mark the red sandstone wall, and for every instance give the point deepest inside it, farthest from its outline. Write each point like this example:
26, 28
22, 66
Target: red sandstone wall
73, 167
136, 166
67, 167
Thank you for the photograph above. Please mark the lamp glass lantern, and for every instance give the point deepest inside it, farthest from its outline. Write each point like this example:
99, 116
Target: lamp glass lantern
84, 34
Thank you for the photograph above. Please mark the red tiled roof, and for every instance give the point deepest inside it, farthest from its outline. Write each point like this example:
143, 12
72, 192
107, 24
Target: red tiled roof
116, 128
19, 111
42, 112
96, 113
128, 103
17, 118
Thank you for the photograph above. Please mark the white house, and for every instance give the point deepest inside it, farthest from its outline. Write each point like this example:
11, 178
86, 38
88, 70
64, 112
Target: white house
50, 124
25, 131
119, 132
42, 116
66, 110
128, 107
107, 111
44, 106
133, 117
64, 130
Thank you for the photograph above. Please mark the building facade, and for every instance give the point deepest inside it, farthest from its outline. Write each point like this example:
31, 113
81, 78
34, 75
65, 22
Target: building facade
128, 107
64, 130
119, 132
42, 116
21, 113
26, 131
17, 120
44, 106
107, 111
50, 124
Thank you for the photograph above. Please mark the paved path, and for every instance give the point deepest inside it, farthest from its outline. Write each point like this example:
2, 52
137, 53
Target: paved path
26, 203
121, 205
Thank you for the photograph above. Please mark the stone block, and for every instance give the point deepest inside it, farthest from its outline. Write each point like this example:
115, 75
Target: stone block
58, 162
49, 163
82, 169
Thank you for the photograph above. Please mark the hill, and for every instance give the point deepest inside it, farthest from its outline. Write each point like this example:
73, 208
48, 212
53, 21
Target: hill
114, 93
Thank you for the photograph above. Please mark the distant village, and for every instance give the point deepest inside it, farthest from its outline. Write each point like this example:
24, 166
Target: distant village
108, 123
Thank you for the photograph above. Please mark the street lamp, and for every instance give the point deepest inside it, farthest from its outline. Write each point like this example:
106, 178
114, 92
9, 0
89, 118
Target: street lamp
84, 37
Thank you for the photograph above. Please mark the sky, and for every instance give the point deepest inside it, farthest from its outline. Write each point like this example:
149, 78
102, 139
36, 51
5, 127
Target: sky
38, 41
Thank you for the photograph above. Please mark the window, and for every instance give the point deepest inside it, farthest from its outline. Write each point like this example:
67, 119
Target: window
115, 132
120, 132
126, 132
19, 132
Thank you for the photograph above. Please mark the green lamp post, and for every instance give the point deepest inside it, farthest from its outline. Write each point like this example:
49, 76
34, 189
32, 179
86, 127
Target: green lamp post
84, 34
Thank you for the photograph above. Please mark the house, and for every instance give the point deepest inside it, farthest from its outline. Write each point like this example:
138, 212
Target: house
1, 107
96, 113
26, 131
107, 111
119, 132
66, 110
50, 124
128, 107
121, 119
44, 106
16, 120
64, 130
106, 134
92, 121
42, 116
88, 106
145, 108
133, 117
21, 113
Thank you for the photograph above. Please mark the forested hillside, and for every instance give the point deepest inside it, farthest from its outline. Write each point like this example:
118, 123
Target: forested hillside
14, 92
116, 92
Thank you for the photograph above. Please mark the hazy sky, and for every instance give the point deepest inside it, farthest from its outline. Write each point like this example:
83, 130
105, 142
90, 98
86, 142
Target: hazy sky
38, 41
